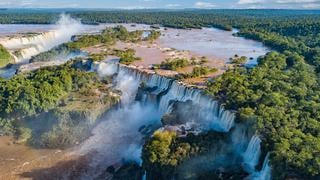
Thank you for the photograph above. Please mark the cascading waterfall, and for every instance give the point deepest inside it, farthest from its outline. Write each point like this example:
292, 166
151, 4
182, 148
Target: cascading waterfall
252, 154
41, 38
23, 48
128, 86
240, 137
265, 173
209, 112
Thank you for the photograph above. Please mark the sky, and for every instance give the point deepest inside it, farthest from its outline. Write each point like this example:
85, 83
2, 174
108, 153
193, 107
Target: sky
163, 4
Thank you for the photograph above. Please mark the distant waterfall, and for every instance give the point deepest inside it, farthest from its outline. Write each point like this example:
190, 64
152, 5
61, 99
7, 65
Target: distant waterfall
252, 154
24, 47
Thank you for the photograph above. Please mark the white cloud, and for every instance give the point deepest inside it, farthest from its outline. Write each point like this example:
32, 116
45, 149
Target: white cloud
36, 4
256, 7
311, 6
204, 5
289, 4
250, 1
277, 1
173, 5
131, 7
19, 3
296, 1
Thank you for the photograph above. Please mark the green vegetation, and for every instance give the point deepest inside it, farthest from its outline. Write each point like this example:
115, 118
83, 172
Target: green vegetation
40, 90
197, 71
121, 33
71, 122
174, 64
108, 37
178, 63
86, 41
98, 56
165, 151
59, 51
127, 56
5, 56
154, 35
53, 106
239, 60
159, 148
202, 71
7, 127
282, 96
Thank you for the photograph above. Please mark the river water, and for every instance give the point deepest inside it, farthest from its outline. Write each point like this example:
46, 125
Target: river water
210, 42
214, 43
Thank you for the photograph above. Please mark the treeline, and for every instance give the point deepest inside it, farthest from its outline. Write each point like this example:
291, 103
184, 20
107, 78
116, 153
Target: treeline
293, 30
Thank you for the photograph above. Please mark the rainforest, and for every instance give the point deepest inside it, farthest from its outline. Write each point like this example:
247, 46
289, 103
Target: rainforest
159, 94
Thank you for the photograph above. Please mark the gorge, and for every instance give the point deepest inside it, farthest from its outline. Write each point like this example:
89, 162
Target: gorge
150, 103
155, 101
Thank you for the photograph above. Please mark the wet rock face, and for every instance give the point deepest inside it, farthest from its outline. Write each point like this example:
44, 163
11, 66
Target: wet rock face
223, 174
84, 65
181, 113
130, 171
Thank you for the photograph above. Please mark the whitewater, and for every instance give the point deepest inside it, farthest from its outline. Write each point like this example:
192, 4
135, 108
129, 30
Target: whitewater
117, 138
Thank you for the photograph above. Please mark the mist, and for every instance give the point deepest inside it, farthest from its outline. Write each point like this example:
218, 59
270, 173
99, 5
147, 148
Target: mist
24, 47
117, 138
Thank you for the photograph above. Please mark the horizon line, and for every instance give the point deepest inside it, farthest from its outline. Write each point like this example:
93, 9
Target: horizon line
171, 9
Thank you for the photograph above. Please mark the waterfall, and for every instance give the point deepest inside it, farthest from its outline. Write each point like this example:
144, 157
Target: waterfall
265, 172
240, 138
210, 113
128, 86
24, 47
144, 177
252, 154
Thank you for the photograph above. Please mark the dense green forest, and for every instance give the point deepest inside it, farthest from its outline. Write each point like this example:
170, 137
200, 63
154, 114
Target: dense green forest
281, 95
47, 98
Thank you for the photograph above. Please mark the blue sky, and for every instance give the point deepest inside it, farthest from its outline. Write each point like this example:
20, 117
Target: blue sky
168, 4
